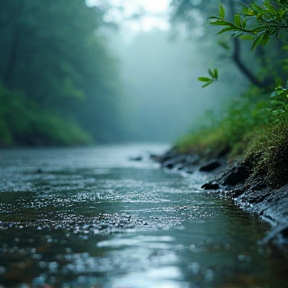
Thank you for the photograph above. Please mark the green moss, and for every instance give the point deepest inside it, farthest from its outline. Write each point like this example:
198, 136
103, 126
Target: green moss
268, 153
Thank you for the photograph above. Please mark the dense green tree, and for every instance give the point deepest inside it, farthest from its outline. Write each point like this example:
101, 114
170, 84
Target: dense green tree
55, 54
267, 61
259, 22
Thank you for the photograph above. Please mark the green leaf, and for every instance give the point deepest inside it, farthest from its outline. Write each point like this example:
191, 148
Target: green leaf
246, 37
277, 112
221, 12
207, 84
216, 73
204, 79
244, 23
275, 94
237, 20
257, 42
211, 73
266, 37
251, 12
225, 30
217, 21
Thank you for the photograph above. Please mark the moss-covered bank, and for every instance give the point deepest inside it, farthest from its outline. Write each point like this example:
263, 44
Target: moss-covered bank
246, 154
243, 182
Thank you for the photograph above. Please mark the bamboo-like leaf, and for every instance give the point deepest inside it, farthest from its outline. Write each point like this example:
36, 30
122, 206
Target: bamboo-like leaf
207, 84
221, 23
211, 73
266, 37
246, 37
237, 20
257, 42
225, 30
221, 12
204, 79
216, 73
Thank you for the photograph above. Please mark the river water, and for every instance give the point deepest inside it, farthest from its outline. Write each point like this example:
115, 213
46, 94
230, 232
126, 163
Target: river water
90, 217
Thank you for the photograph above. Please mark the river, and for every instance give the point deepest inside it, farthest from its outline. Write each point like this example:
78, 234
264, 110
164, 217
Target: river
91, 217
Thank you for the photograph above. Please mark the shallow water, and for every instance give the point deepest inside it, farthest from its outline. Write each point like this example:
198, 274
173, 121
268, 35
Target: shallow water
90, 217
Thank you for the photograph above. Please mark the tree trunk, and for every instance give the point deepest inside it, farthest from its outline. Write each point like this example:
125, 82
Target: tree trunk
236, 56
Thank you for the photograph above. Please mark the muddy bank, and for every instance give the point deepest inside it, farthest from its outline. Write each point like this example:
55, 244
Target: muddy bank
233, 181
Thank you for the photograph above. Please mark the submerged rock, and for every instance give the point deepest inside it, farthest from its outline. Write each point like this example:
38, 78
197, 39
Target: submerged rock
234, 175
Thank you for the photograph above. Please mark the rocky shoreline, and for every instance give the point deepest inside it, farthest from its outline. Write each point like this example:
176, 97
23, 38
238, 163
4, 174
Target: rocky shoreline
232, 181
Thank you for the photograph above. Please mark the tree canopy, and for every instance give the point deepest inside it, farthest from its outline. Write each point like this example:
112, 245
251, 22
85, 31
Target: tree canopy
56, 64
245, 20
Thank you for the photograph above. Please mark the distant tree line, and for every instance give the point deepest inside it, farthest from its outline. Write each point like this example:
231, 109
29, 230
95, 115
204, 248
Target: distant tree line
59, 83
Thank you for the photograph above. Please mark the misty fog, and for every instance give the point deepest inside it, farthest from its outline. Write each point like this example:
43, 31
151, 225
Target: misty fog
160, 81
81, 81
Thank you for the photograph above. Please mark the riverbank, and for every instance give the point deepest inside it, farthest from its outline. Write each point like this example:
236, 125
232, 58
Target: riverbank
239, 182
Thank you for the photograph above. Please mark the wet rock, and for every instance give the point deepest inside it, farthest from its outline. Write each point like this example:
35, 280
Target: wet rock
210, 166
235, 175
252, 194
210, 186
156, 158
169, 155
168, 166
236, 192
174, 161
284, 231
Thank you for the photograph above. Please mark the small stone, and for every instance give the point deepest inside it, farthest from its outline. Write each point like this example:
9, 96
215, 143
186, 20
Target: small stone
210, 186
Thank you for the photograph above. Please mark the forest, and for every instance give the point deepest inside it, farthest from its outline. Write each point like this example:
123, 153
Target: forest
59, 82
253, 128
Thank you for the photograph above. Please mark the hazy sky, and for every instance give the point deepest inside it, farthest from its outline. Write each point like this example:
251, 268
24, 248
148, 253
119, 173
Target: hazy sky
159, 75
156, 13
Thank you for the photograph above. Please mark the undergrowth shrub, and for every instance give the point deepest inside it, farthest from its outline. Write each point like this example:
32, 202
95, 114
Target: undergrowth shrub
23, 123
268, 152
232, 132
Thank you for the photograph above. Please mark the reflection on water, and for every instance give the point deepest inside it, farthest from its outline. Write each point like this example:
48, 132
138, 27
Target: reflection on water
89, 217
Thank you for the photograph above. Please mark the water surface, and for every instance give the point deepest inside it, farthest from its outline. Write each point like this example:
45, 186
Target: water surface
90, 217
